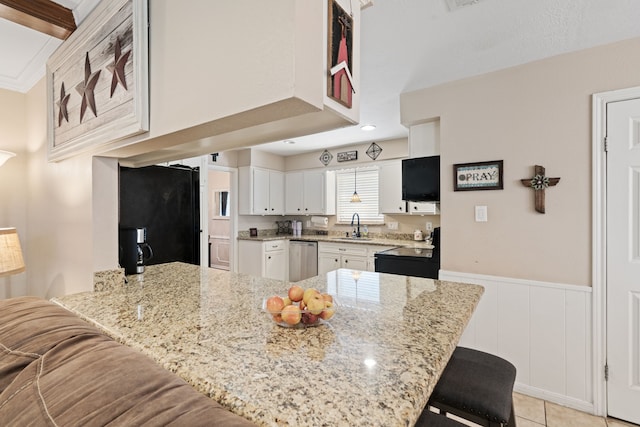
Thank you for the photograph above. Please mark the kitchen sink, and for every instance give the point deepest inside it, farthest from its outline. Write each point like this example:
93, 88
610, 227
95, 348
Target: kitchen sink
354, 239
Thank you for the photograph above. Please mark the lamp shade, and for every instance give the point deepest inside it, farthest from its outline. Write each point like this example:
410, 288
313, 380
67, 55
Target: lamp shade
11, 261
4, 156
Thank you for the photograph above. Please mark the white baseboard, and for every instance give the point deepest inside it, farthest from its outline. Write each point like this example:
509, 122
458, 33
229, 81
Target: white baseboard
544, 329
579, 405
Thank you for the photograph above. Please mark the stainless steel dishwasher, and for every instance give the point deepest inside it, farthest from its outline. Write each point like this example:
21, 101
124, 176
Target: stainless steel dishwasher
303, 260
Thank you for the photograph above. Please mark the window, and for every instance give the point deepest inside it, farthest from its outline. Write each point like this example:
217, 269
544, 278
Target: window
365, 181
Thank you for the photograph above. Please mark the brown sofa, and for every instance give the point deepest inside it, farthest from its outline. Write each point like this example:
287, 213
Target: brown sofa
56, 369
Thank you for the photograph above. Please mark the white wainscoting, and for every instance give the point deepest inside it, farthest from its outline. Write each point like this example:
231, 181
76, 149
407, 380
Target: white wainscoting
544, 329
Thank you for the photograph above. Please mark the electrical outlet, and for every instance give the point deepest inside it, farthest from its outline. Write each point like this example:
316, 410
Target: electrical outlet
429, 226
392, 225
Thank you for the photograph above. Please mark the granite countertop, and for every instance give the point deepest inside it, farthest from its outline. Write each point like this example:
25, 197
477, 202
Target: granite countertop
338, 239
374, 364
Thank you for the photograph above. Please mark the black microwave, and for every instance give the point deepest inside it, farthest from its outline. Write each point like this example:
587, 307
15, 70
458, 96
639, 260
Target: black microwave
421, 179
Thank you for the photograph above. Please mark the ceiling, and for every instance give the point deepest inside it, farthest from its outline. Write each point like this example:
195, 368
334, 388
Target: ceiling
406, 45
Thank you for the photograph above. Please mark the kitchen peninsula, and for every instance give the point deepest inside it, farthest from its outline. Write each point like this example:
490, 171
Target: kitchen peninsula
375, 362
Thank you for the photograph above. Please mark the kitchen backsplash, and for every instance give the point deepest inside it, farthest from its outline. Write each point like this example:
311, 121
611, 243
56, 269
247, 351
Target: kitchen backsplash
407, 224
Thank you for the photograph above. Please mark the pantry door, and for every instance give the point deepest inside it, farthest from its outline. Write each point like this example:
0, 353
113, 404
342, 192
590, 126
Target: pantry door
623, 259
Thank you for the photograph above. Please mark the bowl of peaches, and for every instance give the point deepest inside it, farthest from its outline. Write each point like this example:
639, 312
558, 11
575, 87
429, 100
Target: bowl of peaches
300, 308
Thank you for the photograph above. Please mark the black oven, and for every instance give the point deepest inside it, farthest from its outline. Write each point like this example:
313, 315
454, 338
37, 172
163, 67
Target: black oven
419, 262
409, 262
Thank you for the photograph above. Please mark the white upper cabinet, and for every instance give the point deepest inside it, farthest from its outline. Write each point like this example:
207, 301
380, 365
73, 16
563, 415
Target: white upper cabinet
310, 193
294, 190
260, 191
390, 188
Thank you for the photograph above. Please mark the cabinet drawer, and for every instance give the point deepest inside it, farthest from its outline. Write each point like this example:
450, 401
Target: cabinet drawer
276, 245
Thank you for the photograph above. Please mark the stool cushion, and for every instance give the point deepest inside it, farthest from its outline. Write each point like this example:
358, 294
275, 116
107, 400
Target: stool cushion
479, 383
431, 419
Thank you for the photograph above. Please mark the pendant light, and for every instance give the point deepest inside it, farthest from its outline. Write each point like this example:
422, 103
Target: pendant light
355, 198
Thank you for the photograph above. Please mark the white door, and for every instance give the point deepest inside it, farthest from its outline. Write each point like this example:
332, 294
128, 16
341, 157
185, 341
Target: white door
623, 259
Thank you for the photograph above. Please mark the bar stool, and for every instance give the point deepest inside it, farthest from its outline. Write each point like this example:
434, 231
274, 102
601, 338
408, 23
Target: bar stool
478, 387
431, 419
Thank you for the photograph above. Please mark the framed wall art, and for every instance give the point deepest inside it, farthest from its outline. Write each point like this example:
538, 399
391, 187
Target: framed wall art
97, 81
478, 176
340, 85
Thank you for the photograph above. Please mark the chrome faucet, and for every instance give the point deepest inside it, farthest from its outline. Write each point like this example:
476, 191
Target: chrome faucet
357, 233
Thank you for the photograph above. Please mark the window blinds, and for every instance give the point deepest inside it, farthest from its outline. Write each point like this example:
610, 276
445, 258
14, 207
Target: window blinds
366, 183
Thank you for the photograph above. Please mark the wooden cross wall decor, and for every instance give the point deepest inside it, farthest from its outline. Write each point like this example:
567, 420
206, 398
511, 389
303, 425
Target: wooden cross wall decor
539, 183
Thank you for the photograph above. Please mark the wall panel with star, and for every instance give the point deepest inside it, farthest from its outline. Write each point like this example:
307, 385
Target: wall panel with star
97, 80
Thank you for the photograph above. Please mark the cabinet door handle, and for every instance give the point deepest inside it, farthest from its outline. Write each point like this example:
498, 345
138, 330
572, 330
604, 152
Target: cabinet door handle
336, 260
269, 257
298, 209
346, 261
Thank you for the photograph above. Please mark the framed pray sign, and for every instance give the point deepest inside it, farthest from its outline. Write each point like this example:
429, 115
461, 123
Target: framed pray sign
478, 176
97, 80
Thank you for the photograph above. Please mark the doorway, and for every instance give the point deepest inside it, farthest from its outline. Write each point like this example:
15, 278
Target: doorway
616, 236
220, 218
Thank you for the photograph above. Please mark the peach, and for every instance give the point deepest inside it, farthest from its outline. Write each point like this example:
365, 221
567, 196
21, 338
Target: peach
275, 304
296, 293
291, 314
309, 318
328, 311
327, 297
316, 304
309, 293
287, 301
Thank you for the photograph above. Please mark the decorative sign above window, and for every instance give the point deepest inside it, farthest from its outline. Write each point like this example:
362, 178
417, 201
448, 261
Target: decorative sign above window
97, 80
347, 156
478, 176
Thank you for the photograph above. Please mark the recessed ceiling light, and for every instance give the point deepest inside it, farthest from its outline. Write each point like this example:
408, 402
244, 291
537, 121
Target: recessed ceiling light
288, 141
367, 127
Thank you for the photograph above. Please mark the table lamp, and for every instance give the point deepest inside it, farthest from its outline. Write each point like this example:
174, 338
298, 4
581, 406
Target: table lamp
5, 155
11, 261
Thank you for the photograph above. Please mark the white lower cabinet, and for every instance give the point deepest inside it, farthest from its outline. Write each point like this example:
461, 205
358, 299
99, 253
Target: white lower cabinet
332, 256
263, 258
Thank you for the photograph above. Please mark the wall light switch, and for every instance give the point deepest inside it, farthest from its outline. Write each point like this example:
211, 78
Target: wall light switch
429, 226
481, 214
392, 225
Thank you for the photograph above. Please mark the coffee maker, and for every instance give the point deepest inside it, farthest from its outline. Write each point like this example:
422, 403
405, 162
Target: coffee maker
134, 250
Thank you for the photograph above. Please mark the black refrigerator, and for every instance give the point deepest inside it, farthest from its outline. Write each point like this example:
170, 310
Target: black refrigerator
165, 200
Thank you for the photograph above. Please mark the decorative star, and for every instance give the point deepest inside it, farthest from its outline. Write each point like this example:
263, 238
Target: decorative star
64, 99
86, 88
117, 67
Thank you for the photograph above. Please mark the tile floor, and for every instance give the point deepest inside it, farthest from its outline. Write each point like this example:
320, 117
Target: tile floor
532, 412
